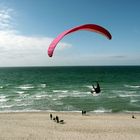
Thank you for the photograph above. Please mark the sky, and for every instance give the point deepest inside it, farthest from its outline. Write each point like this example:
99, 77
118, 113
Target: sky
27, 27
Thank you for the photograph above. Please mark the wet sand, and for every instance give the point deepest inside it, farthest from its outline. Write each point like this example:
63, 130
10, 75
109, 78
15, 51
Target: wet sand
38, 126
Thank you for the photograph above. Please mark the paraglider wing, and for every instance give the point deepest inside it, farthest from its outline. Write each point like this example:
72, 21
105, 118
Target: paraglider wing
88, 27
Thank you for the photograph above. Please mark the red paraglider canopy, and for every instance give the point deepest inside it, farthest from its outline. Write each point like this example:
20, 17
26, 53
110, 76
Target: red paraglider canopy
88, 27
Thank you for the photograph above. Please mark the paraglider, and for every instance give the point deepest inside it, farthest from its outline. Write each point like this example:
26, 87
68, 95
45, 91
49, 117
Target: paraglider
87, 27
96, 89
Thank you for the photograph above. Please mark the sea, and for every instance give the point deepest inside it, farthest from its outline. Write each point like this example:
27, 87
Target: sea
29, 89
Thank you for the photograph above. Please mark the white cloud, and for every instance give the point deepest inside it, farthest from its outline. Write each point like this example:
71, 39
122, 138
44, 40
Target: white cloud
17, 49
6, 19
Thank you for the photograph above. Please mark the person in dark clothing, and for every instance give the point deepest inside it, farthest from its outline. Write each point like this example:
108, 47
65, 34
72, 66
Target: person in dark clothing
133, 117
51, 116
96, 89
57, 119
83, 112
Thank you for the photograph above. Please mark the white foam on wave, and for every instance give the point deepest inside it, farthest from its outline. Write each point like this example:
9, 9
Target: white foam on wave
123, 91
129, 95
26, 87
24, 95
20, 92
134, 101
111, 96
17, 100
96, 94
6, 106
58, 103
3, 98
22, 104
132, 86
126, 111
60, 91
60, 94
89, 86
43, 85
74, 94
41, 96
102, 110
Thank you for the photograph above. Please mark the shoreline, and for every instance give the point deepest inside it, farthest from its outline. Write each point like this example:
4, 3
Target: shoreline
39, 126
51, 111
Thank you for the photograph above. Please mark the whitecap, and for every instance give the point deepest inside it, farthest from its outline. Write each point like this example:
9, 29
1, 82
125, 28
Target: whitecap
127, 111
6, 106
132, 86
58, 103
22, 104
95, 94
3, 98
89, 86
42, 85
40, 96
18, 100
20, 92
60, 91
54, 99
102, 110
23, 95
63, 96
111, 97
26, 87
128, 95
134, 101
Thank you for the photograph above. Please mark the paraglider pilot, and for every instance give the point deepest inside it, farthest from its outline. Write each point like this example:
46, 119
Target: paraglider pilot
96, 89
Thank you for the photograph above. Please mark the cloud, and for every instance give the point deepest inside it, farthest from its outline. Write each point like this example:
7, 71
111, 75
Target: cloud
12, 41
6, 19
117, 56
17, 49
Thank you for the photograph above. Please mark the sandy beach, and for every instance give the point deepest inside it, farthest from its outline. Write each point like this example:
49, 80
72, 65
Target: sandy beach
39, 126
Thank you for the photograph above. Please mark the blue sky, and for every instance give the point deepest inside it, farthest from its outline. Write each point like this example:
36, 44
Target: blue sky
27, 27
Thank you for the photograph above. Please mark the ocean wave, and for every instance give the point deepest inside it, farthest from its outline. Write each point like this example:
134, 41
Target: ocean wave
132, 86
88, 86
40, 96
6, 106
128, 111
3, 98
123, 91
23, 110
60, 91
25, 87
111, 96
22, 104
19, 92
18, 100
58, 103
134, 101
128, 95
43, 85
73, 93
1, 87
102, 110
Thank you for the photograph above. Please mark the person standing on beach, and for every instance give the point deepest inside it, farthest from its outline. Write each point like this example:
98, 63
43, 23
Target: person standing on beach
57, 119
51, 116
